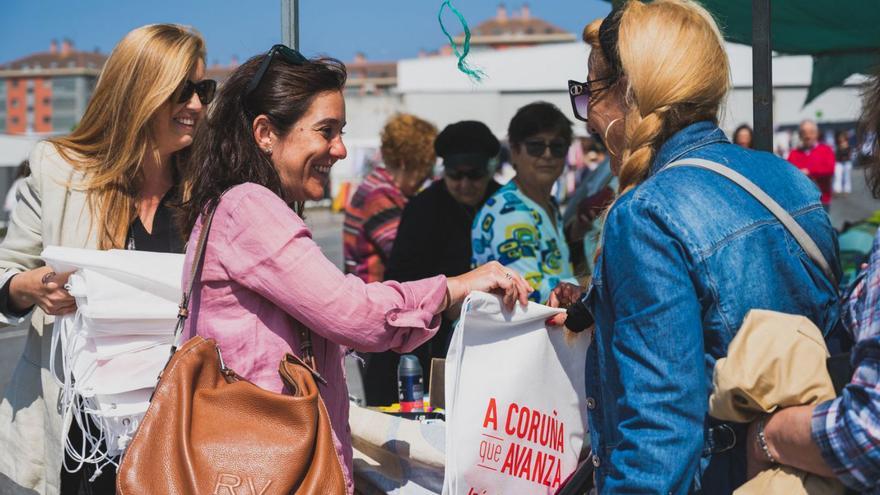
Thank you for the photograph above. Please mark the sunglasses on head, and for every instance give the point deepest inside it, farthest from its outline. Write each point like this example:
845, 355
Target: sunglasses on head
289, 55
204, 88
472, 174
580, 94
535, 148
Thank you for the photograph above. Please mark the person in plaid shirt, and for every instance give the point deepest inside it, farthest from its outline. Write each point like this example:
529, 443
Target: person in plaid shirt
840, 437
373, 214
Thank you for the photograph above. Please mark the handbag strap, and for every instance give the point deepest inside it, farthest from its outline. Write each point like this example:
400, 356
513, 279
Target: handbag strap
183, 308
198, 259
801, 236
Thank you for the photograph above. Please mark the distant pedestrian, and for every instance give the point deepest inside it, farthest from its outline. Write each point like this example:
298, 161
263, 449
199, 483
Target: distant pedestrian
743, 136
843, 163
815, 159
373, 214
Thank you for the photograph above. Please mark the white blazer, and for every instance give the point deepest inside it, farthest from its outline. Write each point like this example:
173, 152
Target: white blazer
51, 211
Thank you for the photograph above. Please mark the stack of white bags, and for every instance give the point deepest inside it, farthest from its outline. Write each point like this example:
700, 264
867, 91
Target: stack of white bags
115, 345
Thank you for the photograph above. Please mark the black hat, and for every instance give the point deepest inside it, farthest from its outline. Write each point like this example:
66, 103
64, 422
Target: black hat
468, 143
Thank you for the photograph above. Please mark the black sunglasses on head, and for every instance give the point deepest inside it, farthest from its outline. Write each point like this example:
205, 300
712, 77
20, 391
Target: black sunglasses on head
581, 92
288, 54
204, 88
535, 148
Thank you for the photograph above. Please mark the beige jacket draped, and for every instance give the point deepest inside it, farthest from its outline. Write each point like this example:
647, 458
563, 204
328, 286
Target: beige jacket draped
775, 361
49, 213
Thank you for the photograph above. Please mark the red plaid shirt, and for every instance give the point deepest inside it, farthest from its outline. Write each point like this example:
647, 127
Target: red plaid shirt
371, 221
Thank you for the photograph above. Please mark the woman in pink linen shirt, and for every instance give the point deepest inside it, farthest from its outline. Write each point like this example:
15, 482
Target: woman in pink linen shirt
267, 146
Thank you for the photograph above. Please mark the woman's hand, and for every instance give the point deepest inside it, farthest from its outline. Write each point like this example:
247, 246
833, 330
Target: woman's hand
564, 295
44, 288
491, 277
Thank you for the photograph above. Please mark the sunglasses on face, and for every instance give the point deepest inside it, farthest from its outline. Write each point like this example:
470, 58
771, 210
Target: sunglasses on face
472, 174
289, 55
535, 148
581, 93
204, 88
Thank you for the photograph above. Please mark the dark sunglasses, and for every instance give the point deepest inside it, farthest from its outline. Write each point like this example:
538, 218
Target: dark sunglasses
472, 174
580, 94
536, 148
289, 55
204, 88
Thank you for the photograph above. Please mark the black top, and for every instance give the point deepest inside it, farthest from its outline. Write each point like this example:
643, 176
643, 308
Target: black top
434, 235
165, 238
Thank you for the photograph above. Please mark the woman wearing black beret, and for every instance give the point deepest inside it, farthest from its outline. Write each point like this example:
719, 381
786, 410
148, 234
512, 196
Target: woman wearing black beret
434, 238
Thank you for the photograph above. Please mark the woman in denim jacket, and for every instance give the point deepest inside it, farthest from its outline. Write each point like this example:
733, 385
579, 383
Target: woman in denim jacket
686, 253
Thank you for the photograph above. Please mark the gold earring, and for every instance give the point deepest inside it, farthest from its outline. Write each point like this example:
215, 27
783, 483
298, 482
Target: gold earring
606, 137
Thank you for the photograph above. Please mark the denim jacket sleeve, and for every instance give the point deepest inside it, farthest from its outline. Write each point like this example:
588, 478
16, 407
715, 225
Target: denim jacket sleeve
657, 346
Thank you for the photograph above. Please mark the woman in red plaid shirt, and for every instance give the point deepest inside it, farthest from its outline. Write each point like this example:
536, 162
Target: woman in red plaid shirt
373, 214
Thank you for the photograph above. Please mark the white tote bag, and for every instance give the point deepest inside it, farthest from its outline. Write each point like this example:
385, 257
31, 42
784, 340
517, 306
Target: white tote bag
115, 345
516, 410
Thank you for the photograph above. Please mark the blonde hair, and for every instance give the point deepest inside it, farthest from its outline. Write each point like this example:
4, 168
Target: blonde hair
673, 56
591, 33
408, 142
140, 76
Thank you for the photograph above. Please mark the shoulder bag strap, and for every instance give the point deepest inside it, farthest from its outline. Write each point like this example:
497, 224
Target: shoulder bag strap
183, 308
801, 236
198, 260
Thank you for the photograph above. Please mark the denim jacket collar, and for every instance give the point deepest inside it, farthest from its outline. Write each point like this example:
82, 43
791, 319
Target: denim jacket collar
692, 137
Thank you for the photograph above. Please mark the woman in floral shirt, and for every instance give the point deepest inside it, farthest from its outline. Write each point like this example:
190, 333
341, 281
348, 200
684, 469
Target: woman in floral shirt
520, 225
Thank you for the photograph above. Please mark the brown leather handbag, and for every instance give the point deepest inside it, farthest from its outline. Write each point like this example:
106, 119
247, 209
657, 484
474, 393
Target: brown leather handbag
209, 431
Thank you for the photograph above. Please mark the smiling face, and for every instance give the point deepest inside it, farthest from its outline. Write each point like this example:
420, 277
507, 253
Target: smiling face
303, 157
174, 123
538, 172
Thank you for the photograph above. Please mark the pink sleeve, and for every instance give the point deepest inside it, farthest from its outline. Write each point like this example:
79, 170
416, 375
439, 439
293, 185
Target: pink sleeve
269, 249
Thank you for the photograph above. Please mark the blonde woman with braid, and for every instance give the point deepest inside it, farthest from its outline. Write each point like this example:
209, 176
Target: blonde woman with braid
685, 253
110, 184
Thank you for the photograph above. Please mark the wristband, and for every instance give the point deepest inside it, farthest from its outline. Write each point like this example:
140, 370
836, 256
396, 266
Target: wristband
762, 441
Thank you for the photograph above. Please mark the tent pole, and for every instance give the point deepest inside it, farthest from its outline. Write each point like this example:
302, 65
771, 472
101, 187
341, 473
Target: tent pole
290, 23
762, 76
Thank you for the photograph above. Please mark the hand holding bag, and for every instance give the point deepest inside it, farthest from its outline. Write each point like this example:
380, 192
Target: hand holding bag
209, 431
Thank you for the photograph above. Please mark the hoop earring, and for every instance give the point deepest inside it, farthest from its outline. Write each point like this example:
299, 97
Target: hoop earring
606, 137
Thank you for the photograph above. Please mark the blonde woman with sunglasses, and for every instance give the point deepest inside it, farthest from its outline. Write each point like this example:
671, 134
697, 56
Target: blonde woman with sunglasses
110, 184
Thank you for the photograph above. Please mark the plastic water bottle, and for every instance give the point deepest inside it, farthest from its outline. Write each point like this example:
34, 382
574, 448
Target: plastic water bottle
409, 384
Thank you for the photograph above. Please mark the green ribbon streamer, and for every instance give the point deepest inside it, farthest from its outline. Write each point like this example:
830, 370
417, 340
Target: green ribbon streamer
472, 72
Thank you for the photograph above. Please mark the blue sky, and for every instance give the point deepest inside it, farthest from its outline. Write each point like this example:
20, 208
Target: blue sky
383, 29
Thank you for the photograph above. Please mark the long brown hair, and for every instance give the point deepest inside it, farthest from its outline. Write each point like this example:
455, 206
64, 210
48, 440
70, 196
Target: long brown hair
140, 76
